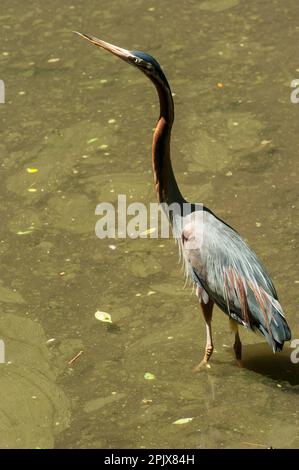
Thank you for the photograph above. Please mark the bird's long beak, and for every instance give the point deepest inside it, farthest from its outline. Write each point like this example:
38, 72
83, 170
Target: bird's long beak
118, 51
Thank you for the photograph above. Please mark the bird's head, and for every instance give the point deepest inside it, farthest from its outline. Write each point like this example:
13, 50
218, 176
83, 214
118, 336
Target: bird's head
144, 62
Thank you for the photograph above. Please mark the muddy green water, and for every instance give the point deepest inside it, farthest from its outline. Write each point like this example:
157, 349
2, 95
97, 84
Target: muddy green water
234, 147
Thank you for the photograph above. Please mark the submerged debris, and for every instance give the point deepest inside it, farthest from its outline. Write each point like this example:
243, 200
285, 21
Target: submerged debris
75, 358
146, 401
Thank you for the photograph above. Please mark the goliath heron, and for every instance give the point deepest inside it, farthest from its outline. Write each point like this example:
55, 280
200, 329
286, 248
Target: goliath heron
225, 270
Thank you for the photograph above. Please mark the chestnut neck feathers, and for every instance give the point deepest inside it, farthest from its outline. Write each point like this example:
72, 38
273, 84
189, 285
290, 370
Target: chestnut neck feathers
165, 182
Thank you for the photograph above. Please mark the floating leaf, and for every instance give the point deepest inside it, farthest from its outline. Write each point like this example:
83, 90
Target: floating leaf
103, 316
25, 232
32, 190
149, 376
32, 170
182, 421
148, 231
51, 340
91, 141
151, 292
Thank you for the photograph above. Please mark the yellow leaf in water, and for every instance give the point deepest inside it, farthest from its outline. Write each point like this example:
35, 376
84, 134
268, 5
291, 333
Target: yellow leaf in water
32, 190
148, 231
149, 376
182, 421
32, 170
103, 316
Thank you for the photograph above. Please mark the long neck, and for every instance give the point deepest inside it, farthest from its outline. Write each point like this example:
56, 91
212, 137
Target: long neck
165, 182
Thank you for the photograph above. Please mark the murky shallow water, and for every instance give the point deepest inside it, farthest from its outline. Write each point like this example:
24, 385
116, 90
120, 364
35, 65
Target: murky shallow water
234, 148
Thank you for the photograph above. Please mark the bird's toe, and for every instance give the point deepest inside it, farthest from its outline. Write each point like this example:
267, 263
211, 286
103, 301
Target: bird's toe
201, 366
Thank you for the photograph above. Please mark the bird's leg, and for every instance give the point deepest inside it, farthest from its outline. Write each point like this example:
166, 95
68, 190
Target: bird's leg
237, 343
207, 310
238, 347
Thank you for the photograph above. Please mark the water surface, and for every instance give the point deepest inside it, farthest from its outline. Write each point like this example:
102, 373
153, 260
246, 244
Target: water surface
234, 147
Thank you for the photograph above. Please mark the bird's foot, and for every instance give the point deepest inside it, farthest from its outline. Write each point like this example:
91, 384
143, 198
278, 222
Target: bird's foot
239, 363
203, 364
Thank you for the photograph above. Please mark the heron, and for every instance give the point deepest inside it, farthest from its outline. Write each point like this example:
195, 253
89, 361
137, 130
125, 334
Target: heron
223, 268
